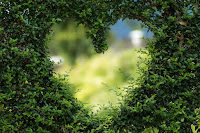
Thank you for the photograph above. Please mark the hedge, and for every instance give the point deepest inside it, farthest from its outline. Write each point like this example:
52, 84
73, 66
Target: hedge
167, 92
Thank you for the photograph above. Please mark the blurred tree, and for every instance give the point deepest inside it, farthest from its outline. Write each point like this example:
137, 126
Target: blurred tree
70, 42
134, 24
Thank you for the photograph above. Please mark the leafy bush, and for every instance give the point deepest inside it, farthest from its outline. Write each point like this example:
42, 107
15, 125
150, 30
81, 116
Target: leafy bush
31, 98
167, 95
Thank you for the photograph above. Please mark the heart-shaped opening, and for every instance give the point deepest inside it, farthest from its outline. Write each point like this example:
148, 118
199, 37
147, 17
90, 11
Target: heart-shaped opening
98, 77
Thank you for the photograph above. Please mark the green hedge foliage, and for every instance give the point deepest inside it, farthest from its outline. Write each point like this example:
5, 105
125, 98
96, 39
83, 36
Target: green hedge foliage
166, 96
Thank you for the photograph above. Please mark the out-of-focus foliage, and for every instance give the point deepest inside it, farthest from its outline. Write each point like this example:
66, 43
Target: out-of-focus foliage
99, 77
134, 24
70, 42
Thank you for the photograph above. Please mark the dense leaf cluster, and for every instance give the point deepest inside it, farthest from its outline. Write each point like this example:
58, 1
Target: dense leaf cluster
166, 96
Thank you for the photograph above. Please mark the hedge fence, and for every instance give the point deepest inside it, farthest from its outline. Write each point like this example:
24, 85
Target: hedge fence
167, 95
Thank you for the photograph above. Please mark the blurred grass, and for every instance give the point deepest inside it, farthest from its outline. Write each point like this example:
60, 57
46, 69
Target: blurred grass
97, 78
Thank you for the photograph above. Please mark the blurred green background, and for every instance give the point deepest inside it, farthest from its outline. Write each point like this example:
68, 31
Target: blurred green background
96, 77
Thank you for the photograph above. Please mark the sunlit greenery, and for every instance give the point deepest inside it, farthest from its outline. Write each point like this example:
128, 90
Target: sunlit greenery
99, 77
96, 77
71, 42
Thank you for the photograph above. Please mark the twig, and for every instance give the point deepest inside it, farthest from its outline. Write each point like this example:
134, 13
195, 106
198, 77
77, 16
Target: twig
181, 22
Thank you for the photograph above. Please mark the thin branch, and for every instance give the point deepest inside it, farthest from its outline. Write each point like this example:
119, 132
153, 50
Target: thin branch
181, 22
181, 39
